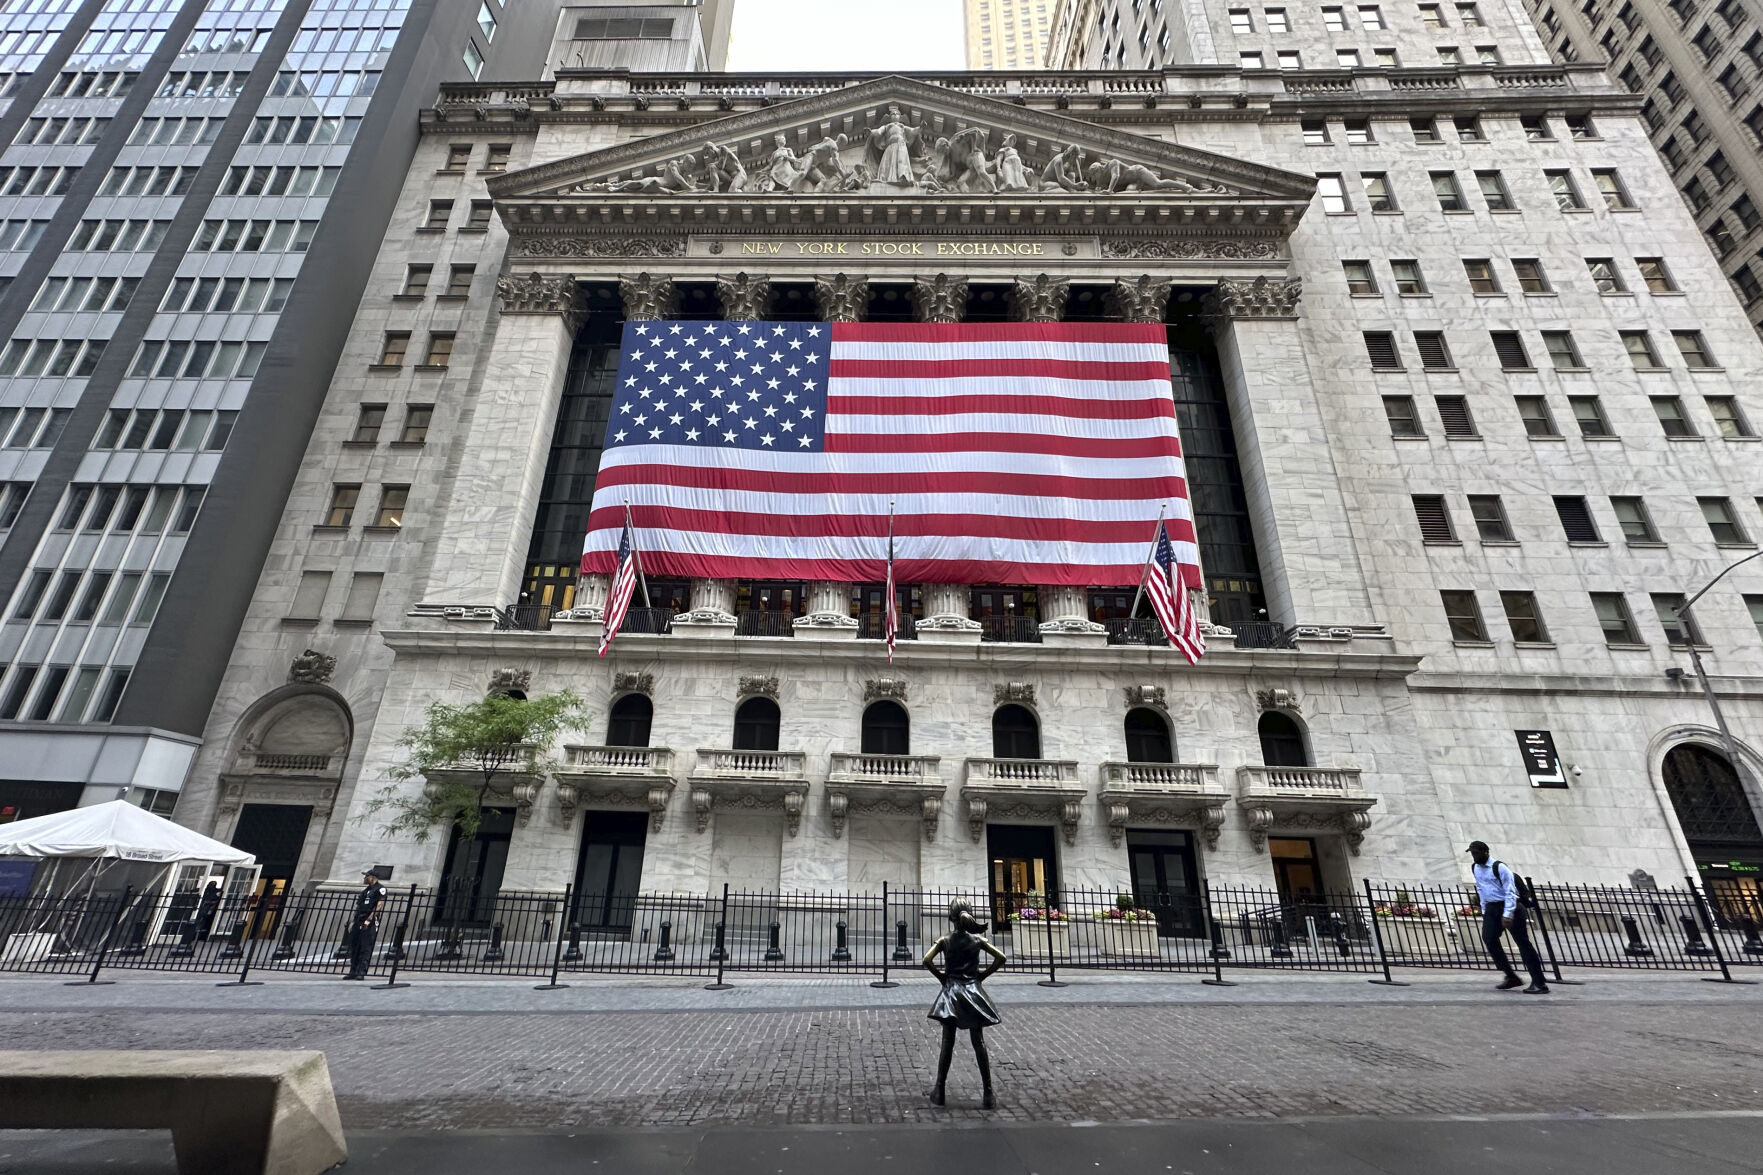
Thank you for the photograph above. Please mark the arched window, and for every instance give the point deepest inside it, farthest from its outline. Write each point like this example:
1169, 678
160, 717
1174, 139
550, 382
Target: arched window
628, 724
756, 721
1712, 809
887, 730
1015, 734
1282, 743
1147, 737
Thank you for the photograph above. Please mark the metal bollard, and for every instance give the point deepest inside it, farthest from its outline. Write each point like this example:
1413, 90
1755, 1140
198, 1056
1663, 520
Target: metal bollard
494, 953
1634, 946
137, 944
902, 953
1753, 941
574, 953
234, 948
290, 934
1337, 930
774, 953
1692, 937
718, 952
186, 943
396, 953
664, 952
1219, 950
1281, 948
841, 952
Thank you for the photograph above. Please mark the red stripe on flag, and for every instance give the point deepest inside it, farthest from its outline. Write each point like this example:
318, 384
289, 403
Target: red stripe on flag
854, 526
662, 564
987, 332
1027, 485
991, 442
1158, 408
1061, 369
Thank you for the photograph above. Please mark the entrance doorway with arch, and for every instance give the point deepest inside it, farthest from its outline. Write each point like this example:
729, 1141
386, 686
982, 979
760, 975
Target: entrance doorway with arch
1719, 821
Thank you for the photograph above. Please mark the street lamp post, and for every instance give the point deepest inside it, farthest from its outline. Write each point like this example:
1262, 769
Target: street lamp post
1726, 739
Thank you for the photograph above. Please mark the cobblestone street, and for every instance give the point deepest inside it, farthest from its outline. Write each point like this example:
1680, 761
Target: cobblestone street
499, 1056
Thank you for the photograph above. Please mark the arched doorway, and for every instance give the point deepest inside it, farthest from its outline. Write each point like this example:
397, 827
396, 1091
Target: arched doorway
1720, 824
886, 729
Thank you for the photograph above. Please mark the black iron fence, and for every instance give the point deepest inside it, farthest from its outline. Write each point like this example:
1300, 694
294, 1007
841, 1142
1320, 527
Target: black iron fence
547, 935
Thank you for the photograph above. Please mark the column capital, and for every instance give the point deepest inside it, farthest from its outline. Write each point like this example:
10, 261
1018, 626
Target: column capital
1039, 299
842, 298
1141, 299
939, 299
1261, 298
647, 298
744, 297
539, 293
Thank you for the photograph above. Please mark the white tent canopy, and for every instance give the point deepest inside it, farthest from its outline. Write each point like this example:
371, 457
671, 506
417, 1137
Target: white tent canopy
117, 830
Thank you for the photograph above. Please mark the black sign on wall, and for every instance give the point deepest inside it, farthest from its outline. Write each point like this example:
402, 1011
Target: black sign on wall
1540, 760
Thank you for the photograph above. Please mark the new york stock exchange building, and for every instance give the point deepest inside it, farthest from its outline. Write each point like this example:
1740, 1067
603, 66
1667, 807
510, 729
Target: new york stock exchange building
1465, 405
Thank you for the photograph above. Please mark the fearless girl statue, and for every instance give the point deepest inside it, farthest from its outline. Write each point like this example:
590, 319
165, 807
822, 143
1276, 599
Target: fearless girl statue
963, 1003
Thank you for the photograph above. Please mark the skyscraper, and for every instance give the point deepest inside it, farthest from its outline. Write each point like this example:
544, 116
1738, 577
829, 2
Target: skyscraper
1007, 34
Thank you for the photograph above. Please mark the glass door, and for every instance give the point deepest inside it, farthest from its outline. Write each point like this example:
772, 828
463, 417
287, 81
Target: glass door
610, 869
1164, 880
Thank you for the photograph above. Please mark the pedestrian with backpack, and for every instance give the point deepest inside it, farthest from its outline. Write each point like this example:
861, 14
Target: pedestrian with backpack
1503, 911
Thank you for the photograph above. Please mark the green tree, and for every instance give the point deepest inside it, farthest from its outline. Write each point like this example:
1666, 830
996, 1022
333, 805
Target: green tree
461, 752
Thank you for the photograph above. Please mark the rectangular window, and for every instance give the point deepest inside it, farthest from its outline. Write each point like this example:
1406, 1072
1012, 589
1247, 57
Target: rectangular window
1487, 55
1493, 190
1637, 524
1532, 278
440, 211
1241, 22
1408, 278
1370, 17
1509, 346
416, 424
1379, 197
1403, 417
499, 153
1333, 194
1334, 20
1729, 418
1693, 348
1523, 618
1469, 129
1576, 520
343, 500
1615, 619
1672, 419
309, 596
1563, 354
1347, 58
1610, 186
1380, 345
1640, 350
440, 351
393, 500
458, 157
1358, 131
108, 701
1480, 272
1469, 16
1454, 416
1431, 17
1605, 275
1360, 280
392, 350
1490, 518
1315, 132
1444, 185
1565, 191
363, 597
1679, 629
474, 60
367, 425
1536, 128
1534, 412
1657, 277
480, 216
1426, 130
151, 596
416, 280
1434, 355
1252, 60
1384, 58
1286, 58
1450, 55
1463, 615
1434, 519
1588, 411
1723, 524
1276, 20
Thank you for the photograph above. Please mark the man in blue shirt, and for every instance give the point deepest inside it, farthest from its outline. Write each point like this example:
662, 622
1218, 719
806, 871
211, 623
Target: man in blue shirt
1501, 910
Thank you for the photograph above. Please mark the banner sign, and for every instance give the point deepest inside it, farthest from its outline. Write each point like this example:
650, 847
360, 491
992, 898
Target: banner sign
1540, 760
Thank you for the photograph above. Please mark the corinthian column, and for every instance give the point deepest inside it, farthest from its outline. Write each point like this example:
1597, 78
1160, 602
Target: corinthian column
1039, 299
943, 299
744, 298
939, 299
841, 298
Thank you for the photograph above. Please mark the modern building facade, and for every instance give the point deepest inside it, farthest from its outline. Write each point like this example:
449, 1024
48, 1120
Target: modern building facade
1467, 406
193, 196
1700, 69
1007, 34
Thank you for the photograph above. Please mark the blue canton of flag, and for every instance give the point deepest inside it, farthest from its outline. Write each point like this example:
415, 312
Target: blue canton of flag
1165, 554
722, 385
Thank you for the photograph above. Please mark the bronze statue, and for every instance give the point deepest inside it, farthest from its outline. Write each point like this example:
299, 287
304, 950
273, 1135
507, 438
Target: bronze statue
963, 1003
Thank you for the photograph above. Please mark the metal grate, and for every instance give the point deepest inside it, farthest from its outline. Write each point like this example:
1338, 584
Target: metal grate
1434, 518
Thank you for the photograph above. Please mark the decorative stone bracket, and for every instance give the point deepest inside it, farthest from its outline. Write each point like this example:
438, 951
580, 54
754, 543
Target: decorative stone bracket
987, 802
1145, 695
1013, 691
1277, 699
759, 780
759, 687
1304, 799
891, 688
634, 683
1177, 795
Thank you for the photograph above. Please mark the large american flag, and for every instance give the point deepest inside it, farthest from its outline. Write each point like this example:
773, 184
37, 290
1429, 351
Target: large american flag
1015, 452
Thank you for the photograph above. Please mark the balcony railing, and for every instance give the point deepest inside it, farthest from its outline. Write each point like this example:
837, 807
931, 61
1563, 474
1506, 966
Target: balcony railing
1300, 782
1020, 772
764, 624
717, 763
1263, 634
1168, 776
619, 760
1136, 631
1010, 630
883, 768
654, 621
524, 618
869, 627
286, 764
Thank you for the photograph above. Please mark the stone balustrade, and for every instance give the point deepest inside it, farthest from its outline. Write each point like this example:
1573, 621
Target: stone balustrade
1021, 772
847, 767
619, 760
1304, 800
1297, 782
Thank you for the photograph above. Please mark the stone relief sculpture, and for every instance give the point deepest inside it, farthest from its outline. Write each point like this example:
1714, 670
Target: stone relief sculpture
784, 167
825, 167
721, 168
891, 150
1064, 171
964, 161
1111, 175
1012, 177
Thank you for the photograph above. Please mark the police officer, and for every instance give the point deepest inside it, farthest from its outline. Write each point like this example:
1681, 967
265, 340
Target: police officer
364, 925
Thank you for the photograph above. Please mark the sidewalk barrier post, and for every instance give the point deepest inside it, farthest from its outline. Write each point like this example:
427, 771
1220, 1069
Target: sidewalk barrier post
1692, 936
1211, 924
841, 952
1276, 931
774, 953
1753, 941
902, 952
1527, 895
884, 981
291, 926
1714, 937
1383, 955
575, 944
249, 952
137, 943
1052, 979
664, 952
1634, 946
574, 953
186, 940
92, 980
397, 953
235, 940
720, 954
494, 953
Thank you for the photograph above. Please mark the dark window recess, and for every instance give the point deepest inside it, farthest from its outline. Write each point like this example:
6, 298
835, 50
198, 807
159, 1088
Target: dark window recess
1576, 520
887, 730
1454, 416
1434, 519
756, 725
1433, 353
627, 725
1380, 345
1510, 348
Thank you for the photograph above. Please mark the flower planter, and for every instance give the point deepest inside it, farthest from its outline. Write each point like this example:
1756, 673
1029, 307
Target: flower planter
1408, 937
1120, 939
1029, 939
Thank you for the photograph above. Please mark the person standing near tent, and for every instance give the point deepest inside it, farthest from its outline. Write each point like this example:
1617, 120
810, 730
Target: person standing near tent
364, 925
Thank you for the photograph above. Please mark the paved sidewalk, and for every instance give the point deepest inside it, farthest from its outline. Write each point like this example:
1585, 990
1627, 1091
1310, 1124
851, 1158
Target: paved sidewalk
1705, 1145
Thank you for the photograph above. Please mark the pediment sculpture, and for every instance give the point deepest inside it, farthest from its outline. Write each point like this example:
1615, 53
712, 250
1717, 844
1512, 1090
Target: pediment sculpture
896, 157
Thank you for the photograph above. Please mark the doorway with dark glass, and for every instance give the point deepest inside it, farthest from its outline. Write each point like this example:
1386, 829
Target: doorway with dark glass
609, 870
472, 876
275, 834
1165, 879
1024, 870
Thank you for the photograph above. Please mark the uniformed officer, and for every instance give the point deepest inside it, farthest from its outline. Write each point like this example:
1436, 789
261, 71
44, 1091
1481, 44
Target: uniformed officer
364, 925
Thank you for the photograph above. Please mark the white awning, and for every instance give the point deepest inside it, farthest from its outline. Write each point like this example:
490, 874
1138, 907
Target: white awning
117, 830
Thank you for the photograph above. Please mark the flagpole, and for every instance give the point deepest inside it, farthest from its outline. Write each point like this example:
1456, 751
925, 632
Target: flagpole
1146, 570
889, 607
636, 558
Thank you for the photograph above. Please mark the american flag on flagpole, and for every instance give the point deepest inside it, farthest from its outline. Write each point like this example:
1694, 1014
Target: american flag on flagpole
624, 586
890, 610
1028, 452
1170, 599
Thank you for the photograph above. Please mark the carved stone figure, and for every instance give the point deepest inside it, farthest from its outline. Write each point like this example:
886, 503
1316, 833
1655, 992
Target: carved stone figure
841, 298
1007, 165
891, 149
722, 168
504, 680
312, 668
785, 166
824, 169
1111, 175
1064, 170
964, 162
